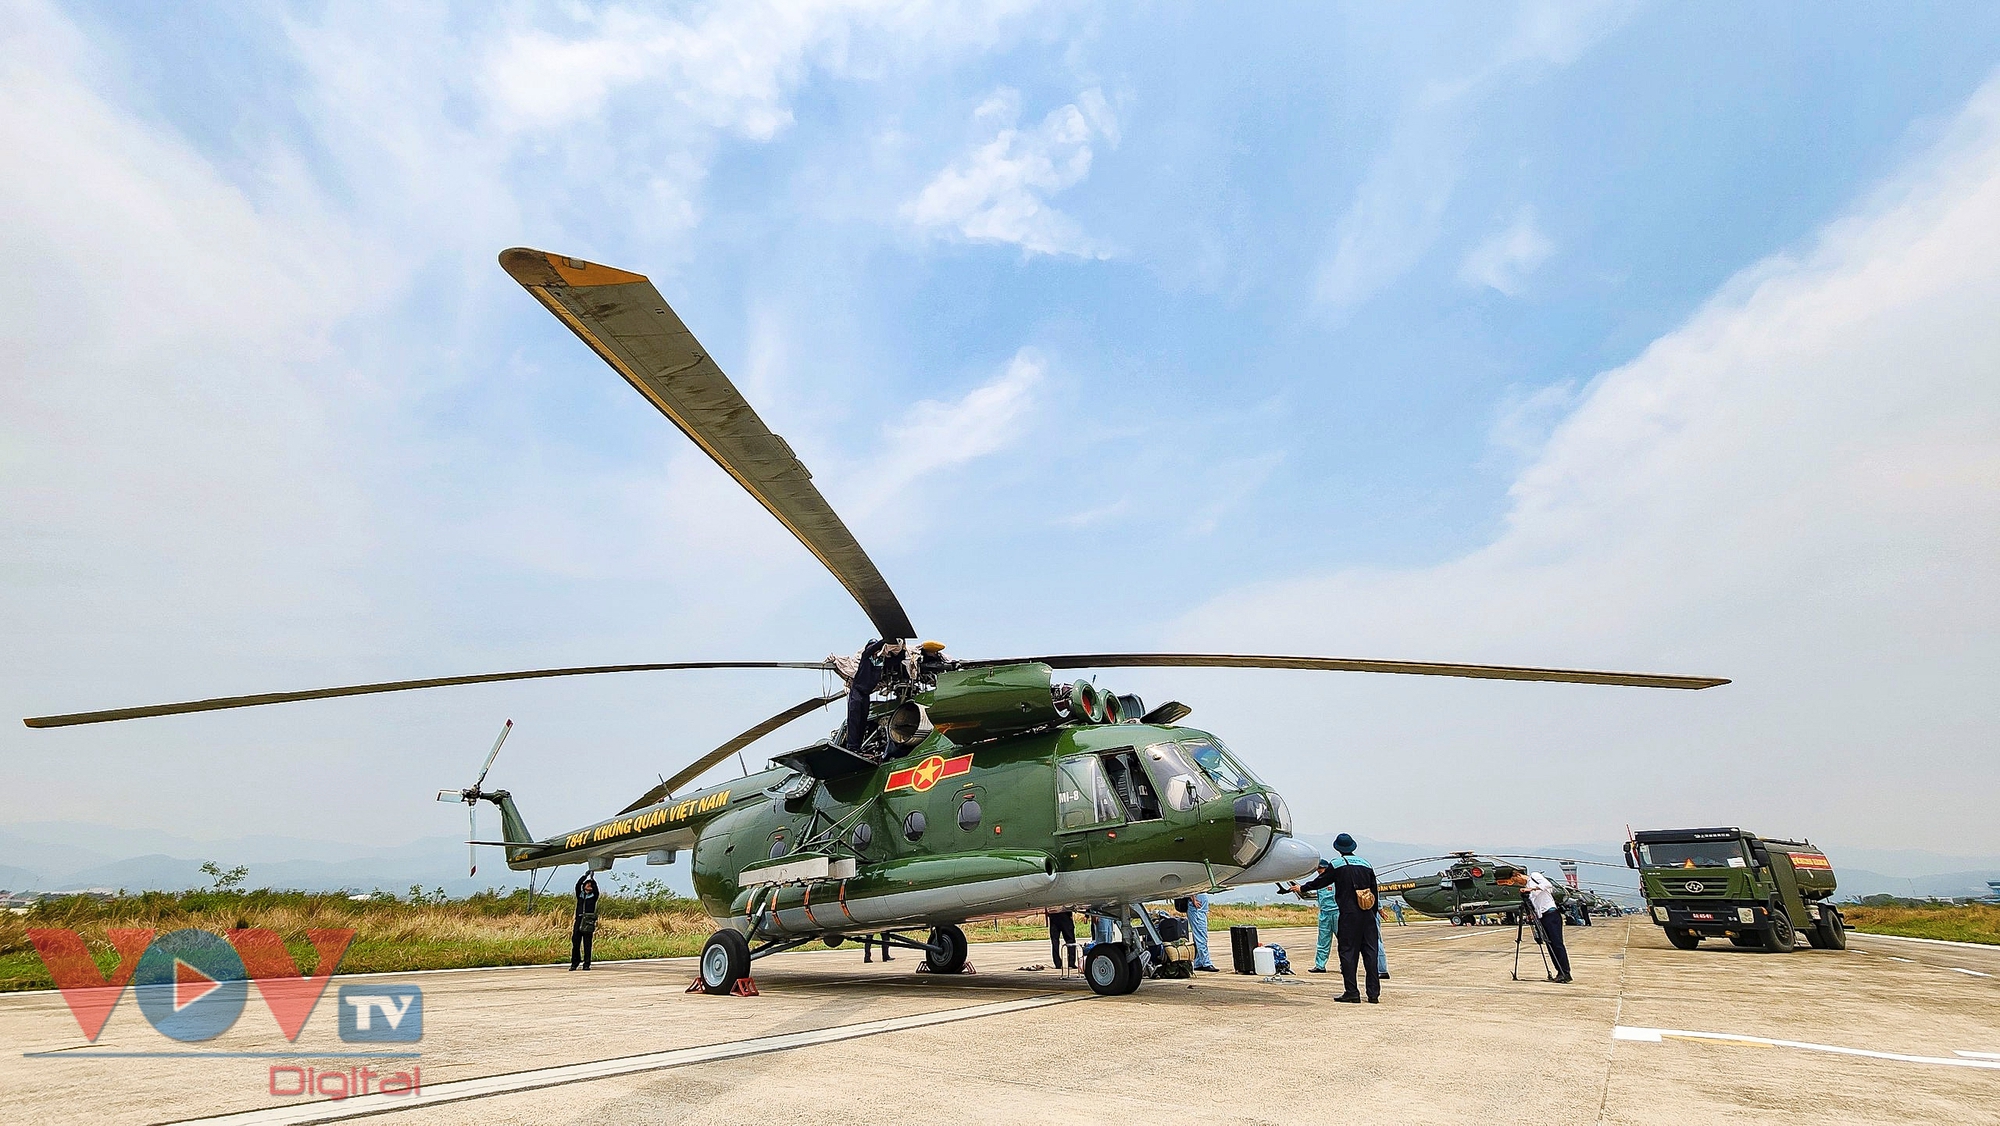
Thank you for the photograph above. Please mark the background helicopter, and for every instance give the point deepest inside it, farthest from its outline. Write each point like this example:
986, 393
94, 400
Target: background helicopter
1471, 886
955, 789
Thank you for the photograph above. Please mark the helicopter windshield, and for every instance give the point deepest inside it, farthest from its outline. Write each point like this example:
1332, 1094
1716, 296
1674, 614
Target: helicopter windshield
1692, 854
1168, 762
1219, 765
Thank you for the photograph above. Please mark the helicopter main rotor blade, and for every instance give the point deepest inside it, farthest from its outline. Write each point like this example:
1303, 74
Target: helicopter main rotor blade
701, 765
221, 703
1350, 664
631, 327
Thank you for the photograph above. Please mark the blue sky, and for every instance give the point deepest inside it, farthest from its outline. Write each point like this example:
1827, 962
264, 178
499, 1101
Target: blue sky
1105, 327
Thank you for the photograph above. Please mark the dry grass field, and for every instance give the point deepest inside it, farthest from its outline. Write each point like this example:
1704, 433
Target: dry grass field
425, 933
1969, 922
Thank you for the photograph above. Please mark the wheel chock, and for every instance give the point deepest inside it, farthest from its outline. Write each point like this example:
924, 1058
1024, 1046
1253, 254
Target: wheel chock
968, 969
745, 987
696, 986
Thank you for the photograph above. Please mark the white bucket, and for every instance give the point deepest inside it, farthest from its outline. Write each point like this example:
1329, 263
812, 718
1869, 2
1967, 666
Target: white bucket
1265, 960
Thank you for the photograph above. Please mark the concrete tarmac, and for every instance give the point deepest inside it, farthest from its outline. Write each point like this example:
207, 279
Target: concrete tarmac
1886, 1031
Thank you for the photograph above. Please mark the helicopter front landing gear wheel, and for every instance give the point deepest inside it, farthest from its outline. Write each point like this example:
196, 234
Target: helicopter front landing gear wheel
948, 950
725, 960
1109, 970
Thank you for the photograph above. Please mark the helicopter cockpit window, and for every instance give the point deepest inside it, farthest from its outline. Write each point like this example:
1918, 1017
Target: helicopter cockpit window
1218, 765
1180, 785
1083, 795
1131, 784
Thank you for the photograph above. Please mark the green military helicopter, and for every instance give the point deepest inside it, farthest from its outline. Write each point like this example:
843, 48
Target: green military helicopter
957, 789
1474, 886
1470, 888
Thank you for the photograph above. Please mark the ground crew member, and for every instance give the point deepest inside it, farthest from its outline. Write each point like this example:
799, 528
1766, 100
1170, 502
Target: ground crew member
1321, 886
1062, 936
1542, 901
1197, 917
1396, 905
868, 670
584, 928
1360, 943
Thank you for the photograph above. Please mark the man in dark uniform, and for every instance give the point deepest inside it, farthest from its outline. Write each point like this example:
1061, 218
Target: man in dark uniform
868, 669
1354, 887
585, 927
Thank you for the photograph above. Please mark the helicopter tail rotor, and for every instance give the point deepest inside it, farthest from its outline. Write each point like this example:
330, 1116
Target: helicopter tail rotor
471, 795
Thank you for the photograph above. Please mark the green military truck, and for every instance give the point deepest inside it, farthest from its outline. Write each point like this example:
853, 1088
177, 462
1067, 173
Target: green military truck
1726, 883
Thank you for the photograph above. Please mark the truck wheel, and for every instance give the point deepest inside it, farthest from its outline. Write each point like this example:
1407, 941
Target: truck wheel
1745, 941
1780, 937
948, 950
1683, 939
1831, 932
1108, 968
725, 960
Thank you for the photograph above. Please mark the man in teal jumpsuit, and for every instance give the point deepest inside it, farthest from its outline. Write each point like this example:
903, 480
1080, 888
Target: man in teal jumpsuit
1329, 911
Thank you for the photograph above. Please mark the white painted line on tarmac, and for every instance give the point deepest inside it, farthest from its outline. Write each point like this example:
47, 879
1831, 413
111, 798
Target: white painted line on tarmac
1978, 1055
1963, 970
1987, 946
1657, 1035
512, 1082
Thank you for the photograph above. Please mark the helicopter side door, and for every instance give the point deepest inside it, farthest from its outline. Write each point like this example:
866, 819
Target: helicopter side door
1087, 810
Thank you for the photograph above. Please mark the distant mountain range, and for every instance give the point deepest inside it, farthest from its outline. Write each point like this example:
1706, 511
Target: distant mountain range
78, 856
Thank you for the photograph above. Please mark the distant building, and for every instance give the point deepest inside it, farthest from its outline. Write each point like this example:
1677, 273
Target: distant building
1993, 890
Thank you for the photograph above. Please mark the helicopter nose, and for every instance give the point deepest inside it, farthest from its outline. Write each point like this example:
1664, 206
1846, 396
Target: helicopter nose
1288, 858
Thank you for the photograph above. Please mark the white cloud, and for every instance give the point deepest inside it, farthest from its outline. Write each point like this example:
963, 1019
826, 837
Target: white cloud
935, 435
241, 442
1000, 191
1504, 261
1397, 212
1799, 488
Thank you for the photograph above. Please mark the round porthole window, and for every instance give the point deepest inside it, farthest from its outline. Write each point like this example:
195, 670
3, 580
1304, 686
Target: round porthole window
968, 814
777, 846
860, 837
913, 825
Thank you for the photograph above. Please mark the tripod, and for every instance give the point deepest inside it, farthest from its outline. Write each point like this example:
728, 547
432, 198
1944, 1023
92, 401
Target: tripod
1526, 920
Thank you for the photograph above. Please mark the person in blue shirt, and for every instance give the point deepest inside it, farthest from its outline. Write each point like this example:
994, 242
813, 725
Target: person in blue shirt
1197, 916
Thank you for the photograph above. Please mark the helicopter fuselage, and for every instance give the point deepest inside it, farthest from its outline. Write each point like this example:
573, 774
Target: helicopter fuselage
1117, 813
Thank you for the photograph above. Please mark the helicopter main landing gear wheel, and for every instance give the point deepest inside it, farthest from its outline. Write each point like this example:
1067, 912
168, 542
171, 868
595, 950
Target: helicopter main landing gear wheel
725, 960
1109, 969
948, 950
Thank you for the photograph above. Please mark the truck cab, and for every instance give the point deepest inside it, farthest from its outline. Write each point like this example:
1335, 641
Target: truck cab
1757, 892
